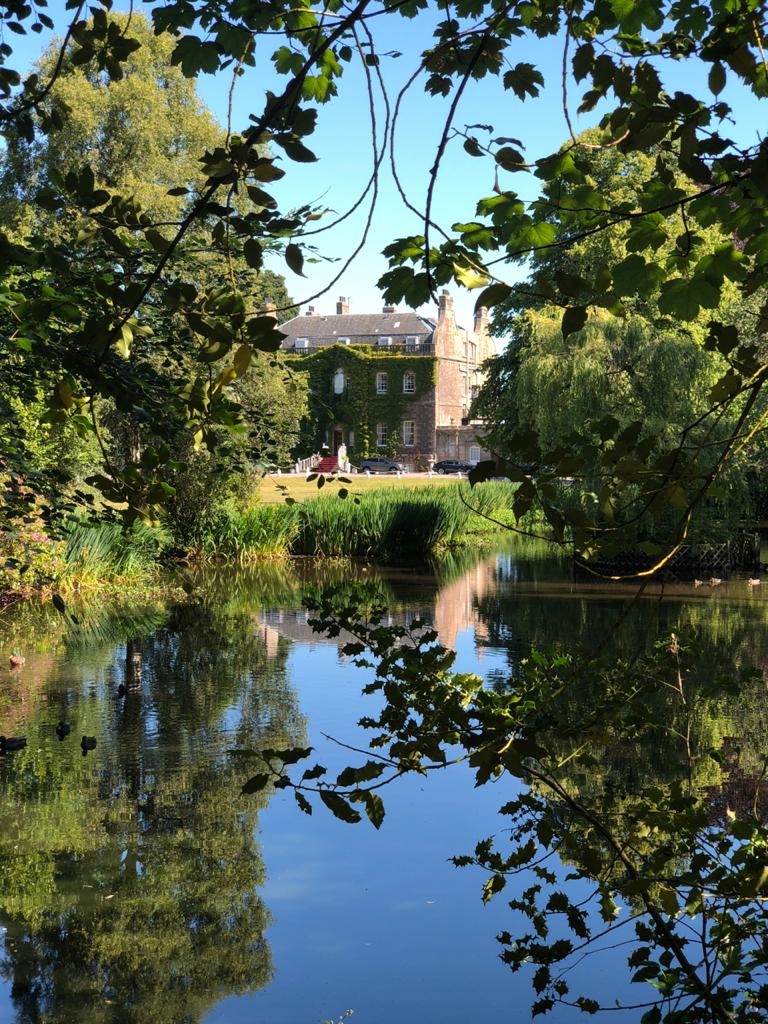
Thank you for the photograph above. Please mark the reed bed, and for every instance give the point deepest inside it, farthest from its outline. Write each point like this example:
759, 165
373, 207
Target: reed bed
387, 525
94, 552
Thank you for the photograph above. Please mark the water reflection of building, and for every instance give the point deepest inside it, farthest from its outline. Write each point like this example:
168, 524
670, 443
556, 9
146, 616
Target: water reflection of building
456, 604
450, 608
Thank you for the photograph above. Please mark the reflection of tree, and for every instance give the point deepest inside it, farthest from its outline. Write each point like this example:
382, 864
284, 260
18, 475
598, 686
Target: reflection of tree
129, 887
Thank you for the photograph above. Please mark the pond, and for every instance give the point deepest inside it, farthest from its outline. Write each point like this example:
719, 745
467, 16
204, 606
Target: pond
138, 884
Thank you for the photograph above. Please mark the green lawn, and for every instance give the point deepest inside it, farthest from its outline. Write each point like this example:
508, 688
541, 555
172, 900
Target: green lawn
271, 490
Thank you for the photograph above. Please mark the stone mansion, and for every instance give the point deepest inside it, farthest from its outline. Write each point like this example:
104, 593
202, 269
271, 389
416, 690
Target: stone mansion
393, 381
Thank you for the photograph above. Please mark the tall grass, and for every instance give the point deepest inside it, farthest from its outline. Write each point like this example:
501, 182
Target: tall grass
95, 552
389, 525
237, 536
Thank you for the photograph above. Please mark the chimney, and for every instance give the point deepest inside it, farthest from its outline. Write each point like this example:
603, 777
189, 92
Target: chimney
342, 306
481, 321
445, 309
269, 309
389, 309
310, 311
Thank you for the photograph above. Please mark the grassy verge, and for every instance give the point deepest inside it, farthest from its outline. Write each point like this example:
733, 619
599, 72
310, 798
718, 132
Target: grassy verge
273, 490
386, 524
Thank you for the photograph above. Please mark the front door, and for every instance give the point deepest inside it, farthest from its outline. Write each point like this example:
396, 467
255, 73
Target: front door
338, 439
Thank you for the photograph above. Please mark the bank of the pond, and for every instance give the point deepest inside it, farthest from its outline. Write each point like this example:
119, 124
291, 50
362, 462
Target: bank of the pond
84, 559
389, 525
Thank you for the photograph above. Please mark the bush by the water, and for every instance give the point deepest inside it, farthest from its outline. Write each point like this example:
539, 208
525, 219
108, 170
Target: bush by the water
388, 524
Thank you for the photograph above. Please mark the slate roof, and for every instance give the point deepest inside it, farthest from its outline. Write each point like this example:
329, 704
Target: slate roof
360, 328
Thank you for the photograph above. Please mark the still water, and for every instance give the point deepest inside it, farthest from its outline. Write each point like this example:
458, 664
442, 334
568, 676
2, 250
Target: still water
138, 885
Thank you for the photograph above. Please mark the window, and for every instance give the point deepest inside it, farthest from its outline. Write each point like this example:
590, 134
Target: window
381, 383
384, 340
381, 435
409, 382
351, 439
302, 343
411, 340
343, 341
474, 453
409, 433
339, 382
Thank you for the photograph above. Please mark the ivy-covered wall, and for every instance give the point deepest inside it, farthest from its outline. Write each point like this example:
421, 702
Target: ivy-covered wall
359, 408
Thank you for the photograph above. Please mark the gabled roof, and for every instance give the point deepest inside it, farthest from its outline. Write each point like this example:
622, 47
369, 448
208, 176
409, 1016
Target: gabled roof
358, 327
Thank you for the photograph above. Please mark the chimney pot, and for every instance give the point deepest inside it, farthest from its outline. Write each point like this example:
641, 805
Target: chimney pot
342, 306
445, 308
310, 311
389, 309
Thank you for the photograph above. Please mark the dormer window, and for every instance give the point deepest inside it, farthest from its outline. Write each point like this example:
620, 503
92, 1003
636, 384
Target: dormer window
302, 343
385, 340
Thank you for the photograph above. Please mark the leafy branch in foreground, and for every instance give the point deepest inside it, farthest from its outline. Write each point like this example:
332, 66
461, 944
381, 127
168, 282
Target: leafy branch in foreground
651, 862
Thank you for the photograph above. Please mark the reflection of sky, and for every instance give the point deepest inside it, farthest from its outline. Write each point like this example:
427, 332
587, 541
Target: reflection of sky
380, 922
377, 922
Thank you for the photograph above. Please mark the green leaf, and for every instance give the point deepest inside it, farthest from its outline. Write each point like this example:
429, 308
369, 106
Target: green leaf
493, 295
242, 359
366, 773
255, 784
574, 319
298, 151
485, 470
374, 808
339, 807
469, 277
587, 1005
716, 78
633, 276
293, 754
302, 801
684, 299
524, 80
254, 254
294, 258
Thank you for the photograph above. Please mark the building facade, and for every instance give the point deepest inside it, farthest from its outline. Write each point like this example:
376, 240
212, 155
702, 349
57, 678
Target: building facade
392, 382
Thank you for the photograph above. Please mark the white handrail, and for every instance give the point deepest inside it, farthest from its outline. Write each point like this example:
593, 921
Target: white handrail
305, 465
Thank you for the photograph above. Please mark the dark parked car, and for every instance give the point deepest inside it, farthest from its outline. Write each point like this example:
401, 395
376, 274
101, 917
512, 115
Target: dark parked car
452, 466
381, 464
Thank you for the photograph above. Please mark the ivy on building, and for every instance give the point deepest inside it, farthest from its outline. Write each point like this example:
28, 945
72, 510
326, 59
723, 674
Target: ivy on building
359, 408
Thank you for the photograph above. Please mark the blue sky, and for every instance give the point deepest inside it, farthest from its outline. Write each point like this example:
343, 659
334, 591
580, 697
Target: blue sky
342, 144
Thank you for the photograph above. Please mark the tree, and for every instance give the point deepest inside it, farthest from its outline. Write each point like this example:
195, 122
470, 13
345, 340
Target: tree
726, 192
641, 366
141, 134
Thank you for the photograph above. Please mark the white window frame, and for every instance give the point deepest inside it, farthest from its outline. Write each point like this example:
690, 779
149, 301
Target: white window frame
302, 343
409, 377
381, 435
382, 383
385, 340
412, 339
472, 457
339, 372
408, 431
